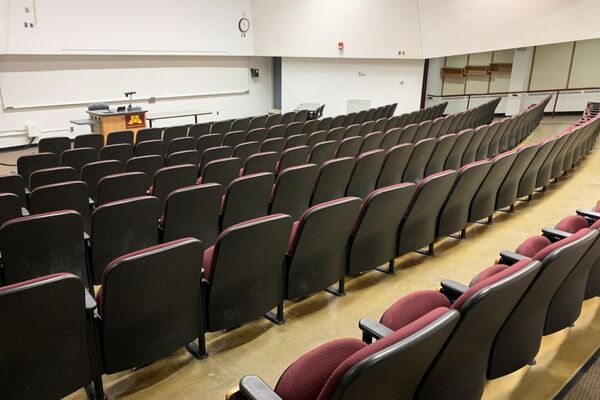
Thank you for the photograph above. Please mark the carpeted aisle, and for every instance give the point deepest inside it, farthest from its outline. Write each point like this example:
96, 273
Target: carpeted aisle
585, 384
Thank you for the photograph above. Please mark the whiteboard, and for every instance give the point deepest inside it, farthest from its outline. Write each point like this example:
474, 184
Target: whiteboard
71, 86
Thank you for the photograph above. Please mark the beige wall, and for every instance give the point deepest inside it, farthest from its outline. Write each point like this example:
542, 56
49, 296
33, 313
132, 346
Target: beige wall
566, 65
477, 84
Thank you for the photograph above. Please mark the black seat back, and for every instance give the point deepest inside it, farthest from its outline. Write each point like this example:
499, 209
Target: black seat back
418, 226
92, 173
257, 135
276, 131
43, 244
30, 163
259, 245
55, 145
28, 315
77, 158
193, 211
261, 162
316, 254
245, 150
146, 134
181, 144
49, 176
246, 198
454, 214
151, 148
396, 160
93, 140
332, 180
373, 239
444, 145
121, 186
168, 179
507, 193
365, 173
183, 157
454, 159
15, 184
167, 282
120, 152
293, 190
215, 153
10, 207
484, 201
174, 132
146, 164
292, 157
119, 137
73, 195
421, 154
222, 171
322, 152
122, 227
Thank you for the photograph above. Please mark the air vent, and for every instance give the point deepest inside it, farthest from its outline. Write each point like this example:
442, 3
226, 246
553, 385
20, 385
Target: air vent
356, 105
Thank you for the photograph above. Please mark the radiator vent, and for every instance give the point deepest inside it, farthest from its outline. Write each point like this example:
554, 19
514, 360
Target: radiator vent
356, 105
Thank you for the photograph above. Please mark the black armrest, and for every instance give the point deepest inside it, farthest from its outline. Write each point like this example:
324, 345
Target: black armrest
593, 215
554, 234
510, 257
90, 302
254, 388
452, 289
373, 330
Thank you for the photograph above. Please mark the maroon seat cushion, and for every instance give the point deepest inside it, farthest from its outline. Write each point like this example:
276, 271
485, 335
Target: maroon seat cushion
379, 345
411, 307
595, 225
499, 275
305, 378
533, 245
489, 271
572, 223
549, 249
293, 236
207, 263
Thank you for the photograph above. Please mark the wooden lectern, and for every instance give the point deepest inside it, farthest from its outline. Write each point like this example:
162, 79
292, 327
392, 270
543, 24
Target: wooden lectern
106, 121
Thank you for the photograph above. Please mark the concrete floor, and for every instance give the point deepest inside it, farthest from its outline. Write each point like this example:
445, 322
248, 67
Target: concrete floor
266, 349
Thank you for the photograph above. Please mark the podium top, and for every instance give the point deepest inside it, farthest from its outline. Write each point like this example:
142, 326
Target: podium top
107, 113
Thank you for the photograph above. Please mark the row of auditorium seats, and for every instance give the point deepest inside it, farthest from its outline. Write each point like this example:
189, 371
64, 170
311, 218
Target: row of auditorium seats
440, 205
107, 180
419, 352
42, 169
262, 243
253, 196
501, 317
275, 125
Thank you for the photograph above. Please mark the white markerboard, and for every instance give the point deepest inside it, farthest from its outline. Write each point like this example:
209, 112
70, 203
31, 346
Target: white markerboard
57, 87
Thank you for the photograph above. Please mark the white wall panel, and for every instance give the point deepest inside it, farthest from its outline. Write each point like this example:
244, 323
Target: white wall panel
313, 28
469, 26
130, 27
55, 120
333, 82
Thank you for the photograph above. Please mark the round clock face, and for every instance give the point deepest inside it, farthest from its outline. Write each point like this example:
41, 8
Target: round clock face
244, 25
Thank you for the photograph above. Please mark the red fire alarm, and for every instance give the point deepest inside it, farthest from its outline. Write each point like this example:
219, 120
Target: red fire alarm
340, 45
